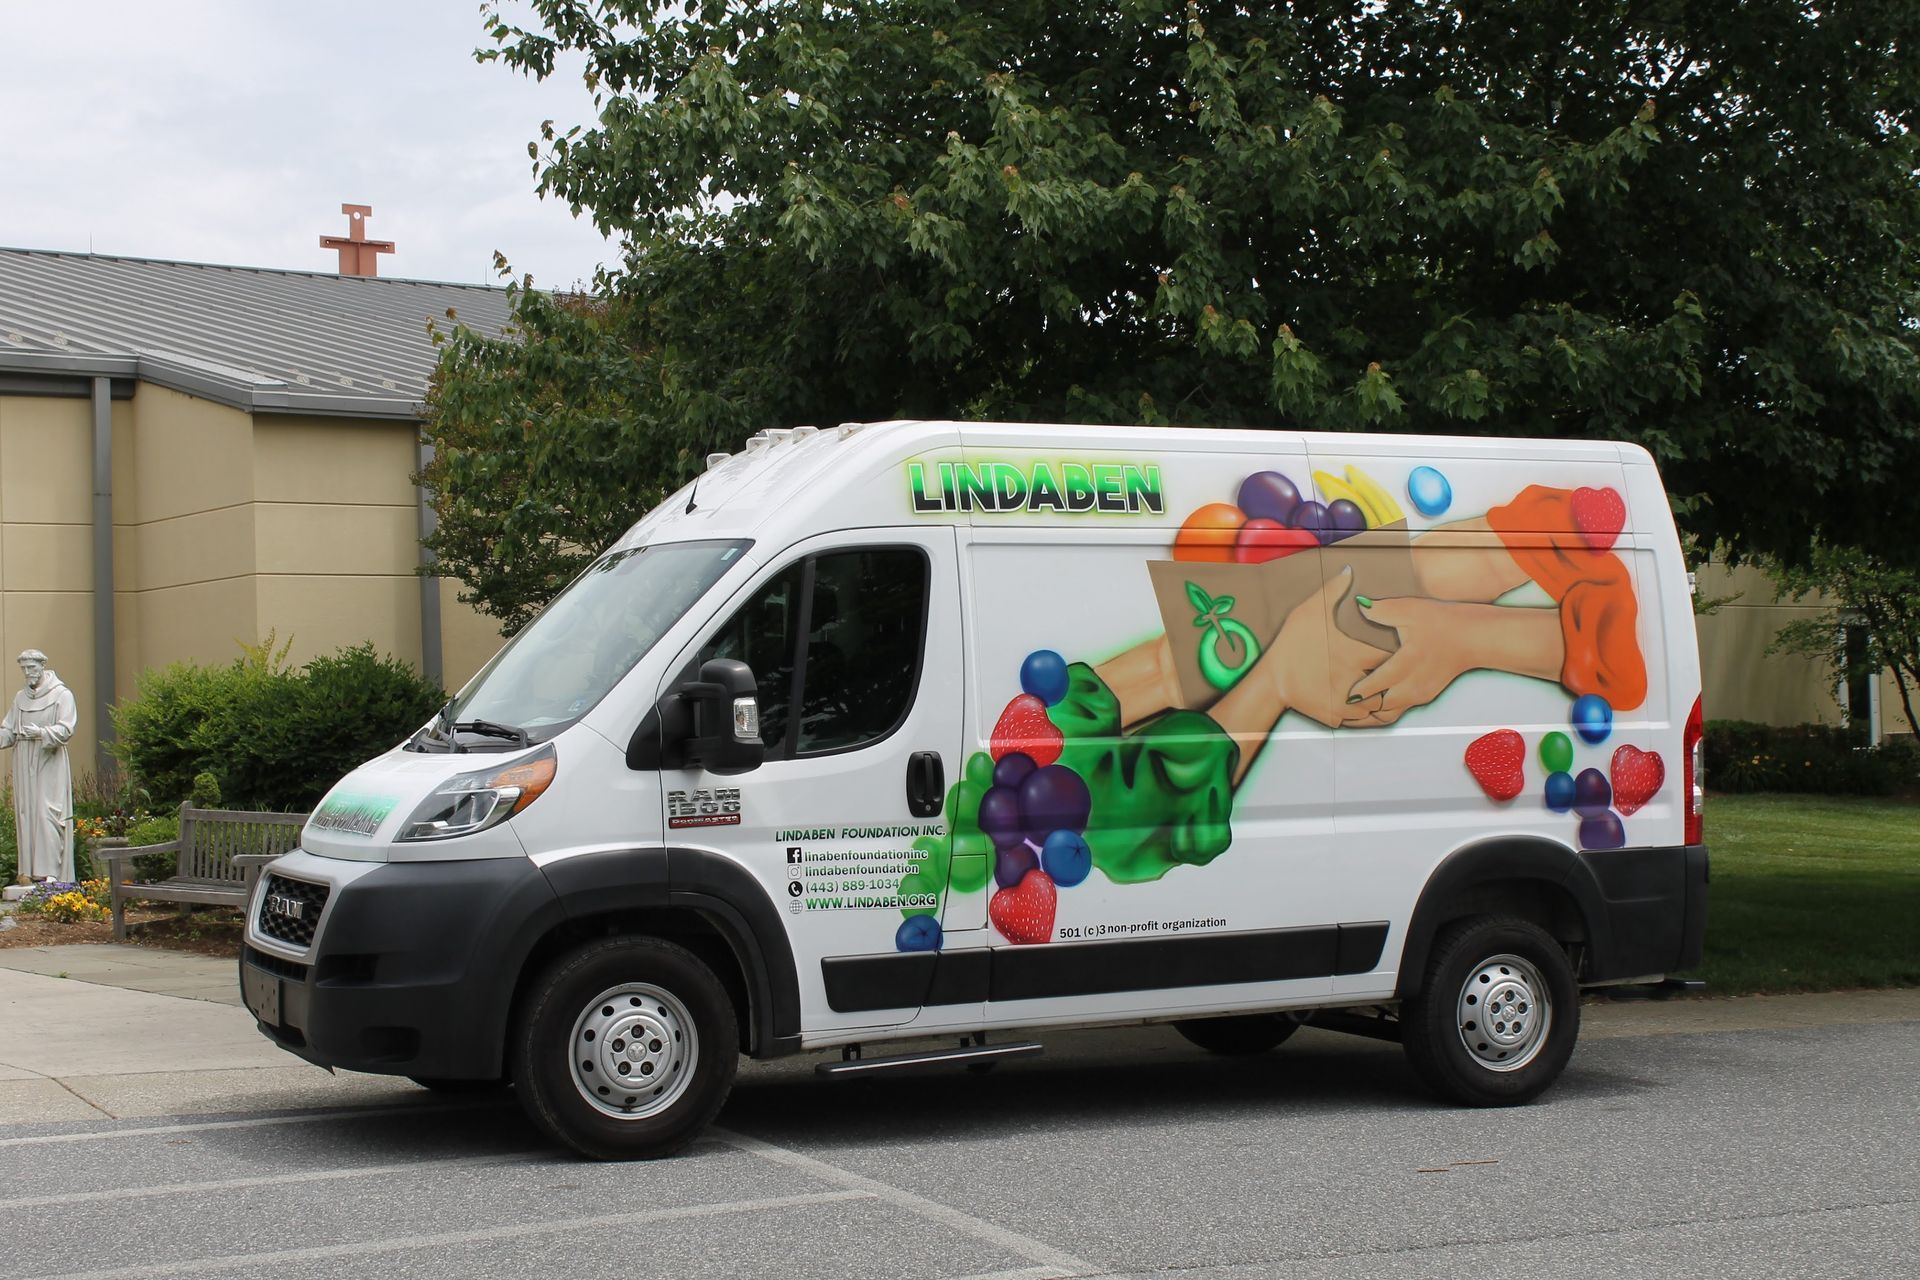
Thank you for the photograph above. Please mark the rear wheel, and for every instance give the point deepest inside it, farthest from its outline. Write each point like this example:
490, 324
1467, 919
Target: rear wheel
1497, 1018
626, 1049
1243, 1034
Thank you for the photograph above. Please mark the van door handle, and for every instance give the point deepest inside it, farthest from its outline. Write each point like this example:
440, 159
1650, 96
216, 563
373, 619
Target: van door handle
926, 784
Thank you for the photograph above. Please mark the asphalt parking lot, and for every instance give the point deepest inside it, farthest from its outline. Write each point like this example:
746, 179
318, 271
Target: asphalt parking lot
1782, 1150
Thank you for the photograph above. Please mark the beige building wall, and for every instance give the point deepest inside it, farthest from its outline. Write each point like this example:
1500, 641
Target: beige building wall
46, 547
228, 527
1743, 681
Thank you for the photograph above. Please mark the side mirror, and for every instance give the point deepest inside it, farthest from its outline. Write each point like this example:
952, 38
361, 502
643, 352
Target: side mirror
712, 723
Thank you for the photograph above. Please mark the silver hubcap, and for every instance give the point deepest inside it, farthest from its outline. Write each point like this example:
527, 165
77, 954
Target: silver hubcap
1504, 1013
634, 1049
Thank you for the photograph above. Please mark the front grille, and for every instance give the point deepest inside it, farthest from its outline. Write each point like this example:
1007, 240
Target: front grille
289, 909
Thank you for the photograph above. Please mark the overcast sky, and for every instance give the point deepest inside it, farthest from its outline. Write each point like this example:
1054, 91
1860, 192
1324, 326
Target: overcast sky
232, 131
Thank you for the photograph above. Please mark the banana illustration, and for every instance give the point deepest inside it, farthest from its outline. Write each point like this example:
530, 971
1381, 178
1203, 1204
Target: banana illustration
1379, 505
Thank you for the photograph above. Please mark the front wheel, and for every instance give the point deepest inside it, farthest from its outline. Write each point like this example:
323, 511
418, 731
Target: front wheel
1496, 1020
626, 1049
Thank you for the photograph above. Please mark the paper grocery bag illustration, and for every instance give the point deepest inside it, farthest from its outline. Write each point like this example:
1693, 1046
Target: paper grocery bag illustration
1220, 618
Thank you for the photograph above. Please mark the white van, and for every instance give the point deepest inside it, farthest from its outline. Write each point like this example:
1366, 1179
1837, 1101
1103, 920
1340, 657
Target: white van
941, 729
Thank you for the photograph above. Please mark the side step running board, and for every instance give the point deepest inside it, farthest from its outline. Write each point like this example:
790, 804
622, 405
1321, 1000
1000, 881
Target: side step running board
965, 1055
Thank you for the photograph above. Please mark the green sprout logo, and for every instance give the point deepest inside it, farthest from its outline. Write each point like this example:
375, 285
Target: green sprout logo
1228, 649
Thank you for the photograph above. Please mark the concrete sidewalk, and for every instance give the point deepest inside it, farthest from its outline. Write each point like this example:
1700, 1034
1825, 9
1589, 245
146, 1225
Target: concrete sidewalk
106, 1032
110, 1032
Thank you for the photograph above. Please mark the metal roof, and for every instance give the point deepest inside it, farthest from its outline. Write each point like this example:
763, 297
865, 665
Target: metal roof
258, 339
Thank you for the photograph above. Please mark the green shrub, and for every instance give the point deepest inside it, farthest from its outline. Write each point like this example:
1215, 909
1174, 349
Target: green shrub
259, 734
157, 829
1825, 759
9, 849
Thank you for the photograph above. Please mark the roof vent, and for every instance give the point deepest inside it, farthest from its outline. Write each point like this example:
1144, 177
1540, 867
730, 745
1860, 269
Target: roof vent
801, 433
359, 256
779, 435
715, 459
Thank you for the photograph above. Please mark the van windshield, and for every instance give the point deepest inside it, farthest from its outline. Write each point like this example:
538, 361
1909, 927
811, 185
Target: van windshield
587, 638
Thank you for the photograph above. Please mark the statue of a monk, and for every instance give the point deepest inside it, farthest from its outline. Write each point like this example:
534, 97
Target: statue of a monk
37, 727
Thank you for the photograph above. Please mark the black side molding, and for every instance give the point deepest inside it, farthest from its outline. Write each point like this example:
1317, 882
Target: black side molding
858, 984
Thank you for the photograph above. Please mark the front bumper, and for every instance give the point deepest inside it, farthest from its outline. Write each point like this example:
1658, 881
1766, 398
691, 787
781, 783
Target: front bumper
411, 967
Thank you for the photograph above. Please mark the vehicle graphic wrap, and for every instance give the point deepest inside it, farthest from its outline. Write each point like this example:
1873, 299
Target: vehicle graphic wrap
1324, 601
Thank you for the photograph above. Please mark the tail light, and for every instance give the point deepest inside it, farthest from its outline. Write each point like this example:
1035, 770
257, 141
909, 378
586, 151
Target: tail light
1694, 751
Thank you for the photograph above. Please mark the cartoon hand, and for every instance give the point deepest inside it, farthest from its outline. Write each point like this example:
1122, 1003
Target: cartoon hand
1309, 646
1430, 658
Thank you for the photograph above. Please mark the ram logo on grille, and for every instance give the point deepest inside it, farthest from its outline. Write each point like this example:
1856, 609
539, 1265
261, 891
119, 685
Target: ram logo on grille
281, 905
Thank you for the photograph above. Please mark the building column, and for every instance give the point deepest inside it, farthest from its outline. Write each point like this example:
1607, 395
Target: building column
103, 635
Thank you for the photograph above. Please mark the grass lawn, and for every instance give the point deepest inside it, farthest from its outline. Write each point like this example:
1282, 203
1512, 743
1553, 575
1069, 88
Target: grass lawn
1812, 893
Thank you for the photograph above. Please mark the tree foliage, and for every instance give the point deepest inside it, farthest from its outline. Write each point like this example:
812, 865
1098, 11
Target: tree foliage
1686, 224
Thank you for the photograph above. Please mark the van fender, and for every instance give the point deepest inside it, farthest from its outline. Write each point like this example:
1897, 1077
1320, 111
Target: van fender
1506, 873
722, 892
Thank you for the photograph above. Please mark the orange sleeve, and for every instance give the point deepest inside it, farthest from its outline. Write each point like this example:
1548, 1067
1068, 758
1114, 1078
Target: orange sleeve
1599, 615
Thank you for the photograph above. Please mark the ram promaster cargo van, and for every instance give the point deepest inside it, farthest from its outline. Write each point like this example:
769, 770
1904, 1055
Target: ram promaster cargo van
959, 731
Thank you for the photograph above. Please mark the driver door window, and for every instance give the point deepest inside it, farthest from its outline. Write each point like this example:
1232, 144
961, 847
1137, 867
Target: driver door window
835, 643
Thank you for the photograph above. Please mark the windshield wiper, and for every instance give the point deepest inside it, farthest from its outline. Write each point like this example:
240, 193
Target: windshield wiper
494, 729
440, 723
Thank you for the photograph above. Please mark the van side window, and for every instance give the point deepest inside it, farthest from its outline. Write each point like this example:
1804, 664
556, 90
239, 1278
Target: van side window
851, 676
863, 647
765, 634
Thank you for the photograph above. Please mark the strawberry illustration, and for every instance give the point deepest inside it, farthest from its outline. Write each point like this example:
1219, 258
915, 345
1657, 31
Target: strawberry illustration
1024, 913
1497, 762
1024, 727
1599, 515
1637, 776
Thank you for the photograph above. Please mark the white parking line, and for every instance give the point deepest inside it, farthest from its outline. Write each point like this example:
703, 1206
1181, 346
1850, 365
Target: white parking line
1023, 1273
263, 1263
261, 1122
265, 1180
1059, 1261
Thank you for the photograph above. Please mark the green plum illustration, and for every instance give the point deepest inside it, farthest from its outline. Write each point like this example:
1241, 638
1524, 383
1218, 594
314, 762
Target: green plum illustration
1228, 649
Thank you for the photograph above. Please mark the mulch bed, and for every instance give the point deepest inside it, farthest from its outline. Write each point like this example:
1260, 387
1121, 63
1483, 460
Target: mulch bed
209, 932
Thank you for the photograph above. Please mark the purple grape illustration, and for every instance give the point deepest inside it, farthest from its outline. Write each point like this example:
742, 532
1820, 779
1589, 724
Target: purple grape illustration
1053, 799
1268, 495
1592, 793
1000, 816
1344, 519
1012, 769
1603, 831
1312, 517
1012, 863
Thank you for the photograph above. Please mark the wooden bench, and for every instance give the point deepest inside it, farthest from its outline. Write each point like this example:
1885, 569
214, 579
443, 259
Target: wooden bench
218, 856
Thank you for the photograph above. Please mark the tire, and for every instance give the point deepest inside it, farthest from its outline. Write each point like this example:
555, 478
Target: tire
576, 1054
1240, 1035
1514, 968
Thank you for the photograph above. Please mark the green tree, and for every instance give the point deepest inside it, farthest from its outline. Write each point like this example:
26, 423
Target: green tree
1861, 589
1690, 225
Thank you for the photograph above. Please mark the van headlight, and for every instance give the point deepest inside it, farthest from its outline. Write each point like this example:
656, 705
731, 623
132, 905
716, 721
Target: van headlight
475, 801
